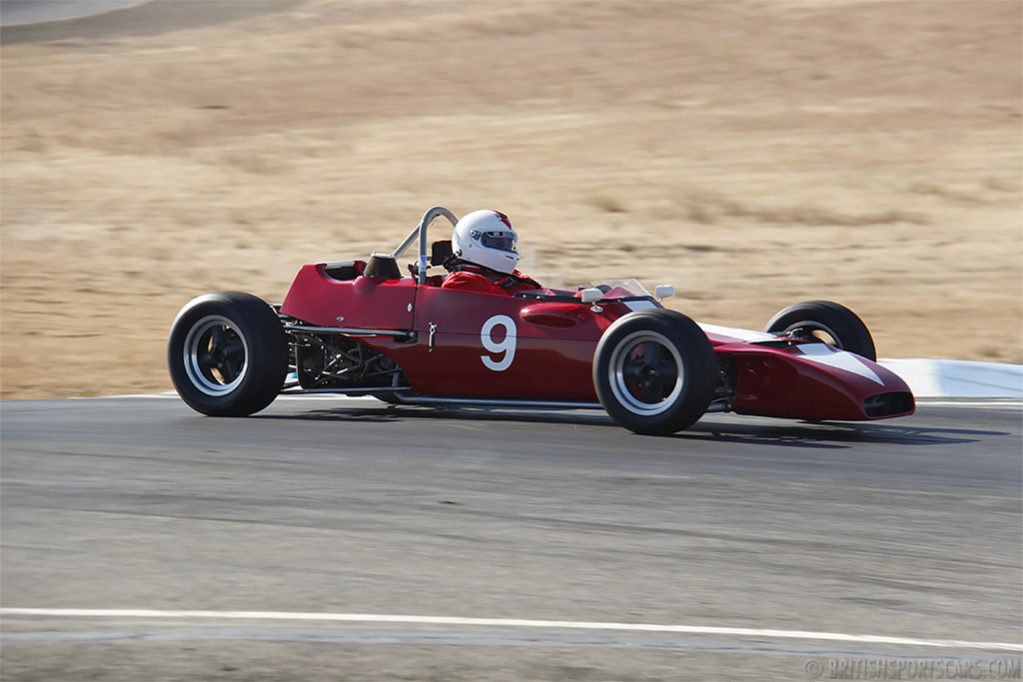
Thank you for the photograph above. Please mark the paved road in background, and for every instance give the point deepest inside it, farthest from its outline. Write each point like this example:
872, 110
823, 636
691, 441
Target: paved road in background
905, 528
22, 12
70, 22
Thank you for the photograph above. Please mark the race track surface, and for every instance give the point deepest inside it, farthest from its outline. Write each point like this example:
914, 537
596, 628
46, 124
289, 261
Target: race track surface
344, 539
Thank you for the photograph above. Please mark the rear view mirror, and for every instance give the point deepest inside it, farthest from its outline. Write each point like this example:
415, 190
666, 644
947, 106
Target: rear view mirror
662, 291
591, 295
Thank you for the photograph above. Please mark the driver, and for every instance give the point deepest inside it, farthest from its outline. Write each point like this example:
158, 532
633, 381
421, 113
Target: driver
486, 251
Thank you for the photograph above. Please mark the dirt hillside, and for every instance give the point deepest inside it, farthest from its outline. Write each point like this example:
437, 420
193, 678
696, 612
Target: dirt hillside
752, 153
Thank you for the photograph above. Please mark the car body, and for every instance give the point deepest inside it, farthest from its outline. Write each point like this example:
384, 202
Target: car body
364, 327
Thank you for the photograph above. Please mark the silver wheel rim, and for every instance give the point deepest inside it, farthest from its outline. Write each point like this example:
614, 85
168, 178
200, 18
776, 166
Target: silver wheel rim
814, 331
646, 357
216, 355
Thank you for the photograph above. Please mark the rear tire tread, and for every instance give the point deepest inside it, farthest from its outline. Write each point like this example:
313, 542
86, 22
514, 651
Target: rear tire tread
265, 359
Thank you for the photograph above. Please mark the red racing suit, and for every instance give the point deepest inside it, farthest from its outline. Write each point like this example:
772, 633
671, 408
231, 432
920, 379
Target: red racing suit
471, 278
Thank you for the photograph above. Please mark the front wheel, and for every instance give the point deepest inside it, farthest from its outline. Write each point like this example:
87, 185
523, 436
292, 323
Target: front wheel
826, 322
655, 371
227, 354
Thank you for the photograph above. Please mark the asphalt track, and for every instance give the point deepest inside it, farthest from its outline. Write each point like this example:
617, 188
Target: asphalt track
344, 539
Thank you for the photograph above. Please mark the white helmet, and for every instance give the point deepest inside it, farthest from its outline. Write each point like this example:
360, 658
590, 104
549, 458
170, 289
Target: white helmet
487, 238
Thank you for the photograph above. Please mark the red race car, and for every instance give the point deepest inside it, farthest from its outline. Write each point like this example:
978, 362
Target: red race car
364, 327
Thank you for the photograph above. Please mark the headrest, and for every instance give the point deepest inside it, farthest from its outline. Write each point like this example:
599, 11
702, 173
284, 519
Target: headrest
440, 251
382, 265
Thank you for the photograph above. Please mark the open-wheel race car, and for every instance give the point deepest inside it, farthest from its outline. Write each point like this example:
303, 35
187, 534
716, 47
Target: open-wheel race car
368, 327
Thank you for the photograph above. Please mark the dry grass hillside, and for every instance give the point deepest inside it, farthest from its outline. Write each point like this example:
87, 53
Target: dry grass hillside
752, 153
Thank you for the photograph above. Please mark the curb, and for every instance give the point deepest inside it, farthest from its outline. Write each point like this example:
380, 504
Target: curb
958, 378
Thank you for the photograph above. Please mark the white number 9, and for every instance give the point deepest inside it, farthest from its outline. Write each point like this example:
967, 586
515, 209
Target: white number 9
506, 345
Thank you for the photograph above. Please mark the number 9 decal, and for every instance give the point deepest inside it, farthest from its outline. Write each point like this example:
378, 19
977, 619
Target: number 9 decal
505, 345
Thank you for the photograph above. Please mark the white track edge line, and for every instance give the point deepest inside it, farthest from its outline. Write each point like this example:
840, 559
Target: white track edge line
509, 622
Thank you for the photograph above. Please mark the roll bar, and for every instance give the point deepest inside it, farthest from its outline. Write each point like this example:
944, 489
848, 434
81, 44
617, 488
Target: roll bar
419, 232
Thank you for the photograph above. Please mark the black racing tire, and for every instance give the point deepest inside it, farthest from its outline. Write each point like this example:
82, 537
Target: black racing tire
827, 322
655, 371
227, 354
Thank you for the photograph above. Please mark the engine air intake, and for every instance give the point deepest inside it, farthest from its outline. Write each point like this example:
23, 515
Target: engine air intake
888, 404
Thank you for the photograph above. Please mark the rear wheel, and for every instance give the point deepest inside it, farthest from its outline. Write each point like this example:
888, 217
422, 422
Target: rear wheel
227, 354
826, 322
655, 371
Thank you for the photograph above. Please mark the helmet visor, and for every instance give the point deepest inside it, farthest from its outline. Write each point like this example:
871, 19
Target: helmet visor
502, 241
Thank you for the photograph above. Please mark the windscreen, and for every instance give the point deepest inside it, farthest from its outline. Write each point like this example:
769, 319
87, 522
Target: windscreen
620, 288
